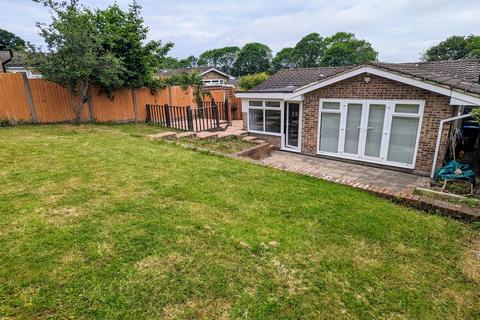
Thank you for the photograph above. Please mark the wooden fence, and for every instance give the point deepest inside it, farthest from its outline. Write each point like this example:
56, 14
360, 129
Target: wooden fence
41, 101
187, 118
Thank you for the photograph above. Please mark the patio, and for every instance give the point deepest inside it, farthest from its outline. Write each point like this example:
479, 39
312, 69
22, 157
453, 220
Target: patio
345, 172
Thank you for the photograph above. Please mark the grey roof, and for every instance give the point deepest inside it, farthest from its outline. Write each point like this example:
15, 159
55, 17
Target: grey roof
458, 74
4, 56
287, 80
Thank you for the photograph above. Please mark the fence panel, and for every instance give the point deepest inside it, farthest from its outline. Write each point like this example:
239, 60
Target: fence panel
117, 109
13, 98
181, 97
54, 103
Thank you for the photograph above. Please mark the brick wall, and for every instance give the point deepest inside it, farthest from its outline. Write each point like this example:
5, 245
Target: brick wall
436, 108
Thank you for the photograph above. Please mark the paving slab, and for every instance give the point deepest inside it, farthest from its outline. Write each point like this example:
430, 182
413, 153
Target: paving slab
358, 174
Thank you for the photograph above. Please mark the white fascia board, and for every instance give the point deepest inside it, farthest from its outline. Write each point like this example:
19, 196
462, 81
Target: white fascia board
261, 95
466, 98
460, 102
298, 98
218, 71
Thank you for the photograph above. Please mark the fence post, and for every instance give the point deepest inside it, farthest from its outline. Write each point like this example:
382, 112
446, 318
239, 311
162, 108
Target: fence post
189, 118
31, 105
228, 109
215, 114
135, 109
147, 119
167, 115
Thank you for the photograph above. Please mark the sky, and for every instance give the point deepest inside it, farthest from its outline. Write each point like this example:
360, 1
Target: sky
400, 30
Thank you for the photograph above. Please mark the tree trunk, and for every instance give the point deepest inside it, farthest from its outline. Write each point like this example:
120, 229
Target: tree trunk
79, 108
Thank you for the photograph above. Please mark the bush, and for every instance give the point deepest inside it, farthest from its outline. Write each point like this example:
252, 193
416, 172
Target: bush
249, 81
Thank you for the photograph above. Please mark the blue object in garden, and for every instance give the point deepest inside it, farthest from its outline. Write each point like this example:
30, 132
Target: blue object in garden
447, 172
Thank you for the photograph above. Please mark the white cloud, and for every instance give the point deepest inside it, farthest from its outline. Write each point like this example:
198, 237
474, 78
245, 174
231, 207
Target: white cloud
400, 30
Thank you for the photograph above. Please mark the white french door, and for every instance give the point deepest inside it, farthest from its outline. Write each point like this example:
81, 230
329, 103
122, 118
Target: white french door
378, 131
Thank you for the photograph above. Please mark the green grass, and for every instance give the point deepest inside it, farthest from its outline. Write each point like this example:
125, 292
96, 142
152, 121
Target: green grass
228, 145
98, 223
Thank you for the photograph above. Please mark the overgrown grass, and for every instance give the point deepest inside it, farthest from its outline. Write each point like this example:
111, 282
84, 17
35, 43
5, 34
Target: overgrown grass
459, 200
228, 145
98, 223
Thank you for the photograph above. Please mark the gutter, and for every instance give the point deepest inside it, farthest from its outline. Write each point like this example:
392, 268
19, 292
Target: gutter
4, 63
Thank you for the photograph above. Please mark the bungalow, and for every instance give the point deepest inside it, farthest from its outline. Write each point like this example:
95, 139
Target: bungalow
210, 75
385, 114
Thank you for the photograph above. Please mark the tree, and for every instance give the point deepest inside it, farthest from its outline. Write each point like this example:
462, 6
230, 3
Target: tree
123, 34
343, 49
104, 48
221, 58
253, 58
9, 41
284, 60
308, 51
473, 47
453, 48
249, 81
188, 62
174, 63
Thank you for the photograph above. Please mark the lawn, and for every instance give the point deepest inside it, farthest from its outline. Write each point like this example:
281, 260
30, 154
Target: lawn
98, 223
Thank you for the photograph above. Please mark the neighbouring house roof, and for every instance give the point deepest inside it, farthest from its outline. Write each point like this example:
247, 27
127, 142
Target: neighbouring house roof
18, 60
202, 70
4, 56
459, 74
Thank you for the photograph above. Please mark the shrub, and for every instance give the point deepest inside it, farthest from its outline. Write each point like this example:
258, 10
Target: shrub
249, 81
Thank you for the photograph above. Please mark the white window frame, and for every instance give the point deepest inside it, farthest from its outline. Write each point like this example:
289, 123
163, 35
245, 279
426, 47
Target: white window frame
387, 125
214, 82
247, 108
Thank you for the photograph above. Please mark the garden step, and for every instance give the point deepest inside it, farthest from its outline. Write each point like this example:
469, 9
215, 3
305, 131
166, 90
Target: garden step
249, 138
258, 141
188, 134
226, 134
207, 135
161, 135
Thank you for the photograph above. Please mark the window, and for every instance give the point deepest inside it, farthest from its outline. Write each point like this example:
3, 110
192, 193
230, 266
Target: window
256, 119
264, 116
329, 126
213, 82
378, 131
403, 133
